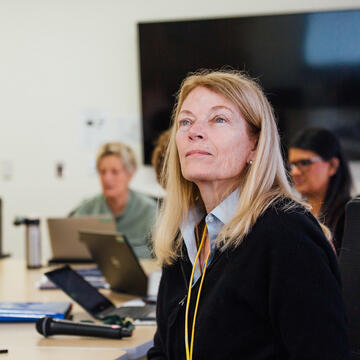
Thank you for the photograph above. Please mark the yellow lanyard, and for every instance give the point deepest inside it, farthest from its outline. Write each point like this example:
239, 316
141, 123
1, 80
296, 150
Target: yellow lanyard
189, 353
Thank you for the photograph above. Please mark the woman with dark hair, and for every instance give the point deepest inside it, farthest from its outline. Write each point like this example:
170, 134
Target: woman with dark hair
321, 174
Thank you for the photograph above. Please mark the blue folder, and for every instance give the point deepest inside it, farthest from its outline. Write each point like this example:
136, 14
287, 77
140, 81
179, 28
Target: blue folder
31, 311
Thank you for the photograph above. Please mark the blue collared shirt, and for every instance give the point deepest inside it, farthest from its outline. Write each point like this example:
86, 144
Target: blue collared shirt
215, 220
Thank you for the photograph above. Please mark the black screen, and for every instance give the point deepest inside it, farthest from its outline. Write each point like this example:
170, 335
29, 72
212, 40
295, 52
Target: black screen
308, 65
80, 290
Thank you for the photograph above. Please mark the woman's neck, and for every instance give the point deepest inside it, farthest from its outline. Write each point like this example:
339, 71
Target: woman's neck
316, 203
212, 193
117, 204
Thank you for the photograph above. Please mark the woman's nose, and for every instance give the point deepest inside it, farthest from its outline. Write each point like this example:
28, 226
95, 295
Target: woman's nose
295, 171
106, 176
197, 132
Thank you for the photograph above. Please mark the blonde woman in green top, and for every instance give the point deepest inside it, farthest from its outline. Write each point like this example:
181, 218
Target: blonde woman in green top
134, 213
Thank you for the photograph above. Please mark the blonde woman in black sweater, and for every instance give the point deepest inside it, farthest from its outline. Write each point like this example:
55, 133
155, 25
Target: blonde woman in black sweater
247, 270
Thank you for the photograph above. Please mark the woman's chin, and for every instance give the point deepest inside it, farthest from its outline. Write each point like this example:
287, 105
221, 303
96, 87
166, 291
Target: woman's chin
110, 194
198, 176
303, 190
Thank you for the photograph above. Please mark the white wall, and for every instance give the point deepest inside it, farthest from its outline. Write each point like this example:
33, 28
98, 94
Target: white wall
63, 60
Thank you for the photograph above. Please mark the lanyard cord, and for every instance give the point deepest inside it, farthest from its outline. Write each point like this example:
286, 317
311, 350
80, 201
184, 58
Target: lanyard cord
190, 353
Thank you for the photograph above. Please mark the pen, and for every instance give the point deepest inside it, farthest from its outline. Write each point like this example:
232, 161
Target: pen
4, 351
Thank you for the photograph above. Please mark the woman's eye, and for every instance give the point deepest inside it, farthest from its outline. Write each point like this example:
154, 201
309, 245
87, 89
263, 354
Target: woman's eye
184, 122
220, 120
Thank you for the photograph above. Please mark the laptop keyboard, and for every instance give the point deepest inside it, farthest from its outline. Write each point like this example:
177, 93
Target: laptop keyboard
136, 312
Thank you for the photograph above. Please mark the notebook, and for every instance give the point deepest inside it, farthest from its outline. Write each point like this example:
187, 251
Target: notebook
117, 261
31, 311
64, 236
92, 301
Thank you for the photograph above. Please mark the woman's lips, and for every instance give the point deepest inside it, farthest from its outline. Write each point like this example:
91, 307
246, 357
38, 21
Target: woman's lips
298, 182
197, 152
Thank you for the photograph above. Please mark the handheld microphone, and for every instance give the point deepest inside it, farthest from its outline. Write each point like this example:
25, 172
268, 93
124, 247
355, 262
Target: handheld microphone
48, 326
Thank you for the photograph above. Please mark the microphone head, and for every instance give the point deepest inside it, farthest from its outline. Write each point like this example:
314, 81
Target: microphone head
43, 325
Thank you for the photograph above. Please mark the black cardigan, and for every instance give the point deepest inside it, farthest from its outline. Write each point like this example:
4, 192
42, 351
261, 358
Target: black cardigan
276, 296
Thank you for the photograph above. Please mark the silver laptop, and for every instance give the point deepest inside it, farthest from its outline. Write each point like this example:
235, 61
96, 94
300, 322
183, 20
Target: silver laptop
64, 236
117, 261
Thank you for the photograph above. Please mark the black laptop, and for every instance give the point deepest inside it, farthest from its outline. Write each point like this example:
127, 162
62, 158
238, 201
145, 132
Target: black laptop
92, 300
117, 261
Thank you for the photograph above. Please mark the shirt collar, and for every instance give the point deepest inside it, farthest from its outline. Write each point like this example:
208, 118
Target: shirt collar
224, 212
227, 208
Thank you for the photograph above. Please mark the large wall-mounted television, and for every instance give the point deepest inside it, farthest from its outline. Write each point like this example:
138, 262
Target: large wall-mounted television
307, 63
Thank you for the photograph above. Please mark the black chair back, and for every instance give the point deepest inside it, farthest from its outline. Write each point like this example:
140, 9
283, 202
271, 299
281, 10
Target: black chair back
349, 262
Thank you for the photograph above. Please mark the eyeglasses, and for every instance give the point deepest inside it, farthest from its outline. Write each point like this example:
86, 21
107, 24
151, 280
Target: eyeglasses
303, 164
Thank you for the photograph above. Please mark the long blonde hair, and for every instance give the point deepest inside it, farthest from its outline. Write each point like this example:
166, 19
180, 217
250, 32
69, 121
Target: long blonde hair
262, 183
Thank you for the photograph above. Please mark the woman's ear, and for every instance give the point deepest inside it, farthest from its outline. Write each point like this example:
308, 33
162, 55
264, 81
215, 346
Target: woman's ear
334, 165
255, 143
252, 150
253, 146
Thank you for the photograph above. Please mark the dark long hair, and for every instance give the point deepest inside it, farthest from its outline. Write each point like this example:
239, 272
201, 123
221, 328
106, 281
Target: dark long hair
325, 143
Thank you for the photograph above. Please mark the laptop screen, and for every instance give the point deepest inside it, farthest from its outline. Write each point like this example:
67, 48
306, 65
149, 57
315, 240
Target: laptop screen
117, 261
79, 290
64, 235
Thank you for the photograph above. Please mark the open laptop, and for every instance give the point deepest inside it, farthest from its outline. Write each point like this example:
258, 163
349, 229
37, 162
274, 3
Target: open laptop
117, 261
64, 236
96, 304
